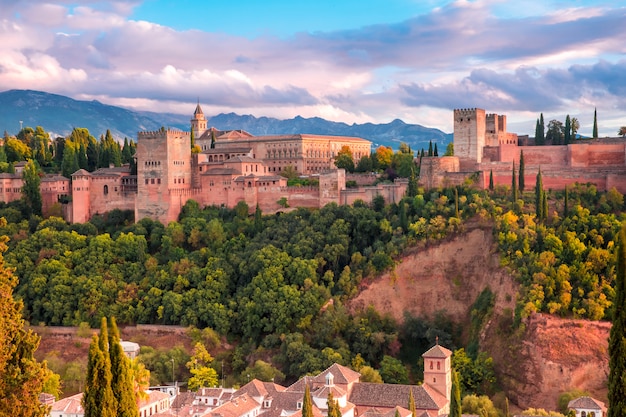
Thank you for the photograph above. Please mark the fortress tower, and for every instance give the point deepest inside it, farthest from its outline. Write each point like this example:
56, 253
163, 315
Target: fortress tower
469, 133
438, 370
163, 173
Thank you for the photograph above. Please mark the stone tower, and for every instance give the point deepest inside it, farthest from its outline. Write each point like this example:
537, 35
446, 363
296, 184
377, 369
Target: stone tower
438, 369
469, 133
198, 122
163, 173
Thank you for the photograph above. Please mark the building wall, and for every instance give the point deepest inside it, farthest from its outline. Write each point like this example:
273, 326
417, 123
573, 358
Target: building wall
469, 133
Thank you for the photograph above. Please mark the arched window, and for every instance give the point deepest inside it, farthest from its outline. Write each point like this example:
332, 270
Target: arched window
106, 189
438, 365
431, 364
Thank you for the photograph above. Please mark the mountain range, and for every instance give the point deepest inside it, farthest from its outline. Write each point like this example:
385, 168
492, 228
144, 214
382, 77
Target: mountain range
60, 114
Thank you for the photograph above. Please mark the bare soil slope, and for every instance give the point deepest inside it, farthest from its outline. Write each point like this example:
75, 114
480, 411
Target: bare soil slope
533, 365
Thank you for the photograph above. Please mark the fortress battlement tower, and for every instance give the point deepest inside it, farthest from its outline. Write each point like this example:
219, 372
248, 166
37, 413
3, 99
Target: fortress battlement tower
469, 133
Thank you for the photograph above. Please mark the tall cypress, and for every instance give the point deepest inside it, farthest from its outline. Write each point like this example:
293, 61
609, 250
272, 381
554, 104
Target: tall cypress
412, 408
98, 400
307, 403
537, 132
522, 185
539, 196
435, 151
595, 123
566, 203
568, 130
430, 148
542, 129
491, 180
121, 379
455, 397
617, 337
513, 185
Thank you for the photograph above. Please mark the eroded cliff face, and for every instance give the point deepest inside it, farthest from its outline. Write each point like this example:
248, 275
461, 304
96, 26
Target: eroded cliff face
534, 365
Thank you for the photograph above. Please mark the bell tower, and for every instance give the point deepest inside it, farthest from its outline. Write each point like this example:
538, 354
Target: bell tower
198, 122
438, 369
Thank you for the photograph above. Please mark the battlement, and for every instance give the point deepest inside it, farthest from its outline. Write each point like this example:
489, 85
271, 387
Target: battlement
161, 133
467, 112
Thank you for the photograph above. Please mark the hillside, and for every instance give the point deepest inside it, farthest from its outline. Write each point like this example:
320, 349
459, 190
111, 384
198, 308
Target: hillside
551, 356
59, 115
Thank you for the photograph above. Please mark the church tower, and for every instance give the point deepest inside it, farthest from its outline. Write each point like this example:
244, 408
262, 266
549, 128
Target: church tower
198, 123
438, 369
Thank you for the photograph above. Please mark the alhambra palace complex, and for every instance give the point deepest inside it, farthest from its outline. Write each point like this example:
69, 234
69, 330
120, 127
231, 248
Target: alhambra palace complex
242, 167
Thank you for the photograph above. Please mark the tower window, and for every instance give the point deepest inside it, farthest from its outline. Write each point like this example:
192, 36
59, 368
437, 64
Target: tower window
106, 189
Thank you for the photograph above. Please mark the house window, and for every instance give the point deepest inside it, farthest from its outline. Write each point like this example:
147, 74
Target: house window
106, 189
299, 405
434, 380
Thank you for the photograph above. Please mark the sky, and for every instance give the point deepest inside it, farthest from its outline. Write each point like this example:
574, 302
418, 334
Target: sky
352, 61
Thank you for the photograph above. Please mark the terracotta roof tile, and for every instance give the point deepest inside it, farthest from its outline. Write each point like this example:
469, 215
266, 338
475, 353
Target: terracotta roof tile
69, 405
586, 402
437, 351
392, 395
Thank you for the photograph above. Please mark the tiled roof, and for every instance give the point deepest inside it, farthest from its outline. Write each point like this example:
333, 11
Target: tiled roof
392, 395
153, 397
237, 407
586, 402
69, 405
227, 150
183, 399
437, 351
9, 175
198, 110
376, 412
322, 392
241, 159
54, 177
82, 172
256, 388
341, 374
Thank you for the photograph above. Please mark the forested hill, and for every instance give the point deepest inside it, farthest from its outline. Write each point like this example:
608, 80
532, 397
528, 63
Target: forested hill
264, 282
59, 115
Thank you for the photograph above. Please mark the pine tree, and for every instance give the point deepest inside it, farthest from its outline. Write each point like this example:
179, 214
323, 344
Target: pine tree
491, 180
455, 397
568, 130
307, 404
121, 380
21, 376
595, 123
412, 408
521, 181
617, 337
539, 196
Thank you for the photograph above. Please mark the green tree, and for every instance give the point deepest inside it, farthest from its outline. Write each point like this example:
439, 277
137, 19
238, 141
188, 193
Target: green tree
540, 136
307, 403
412, 187
98, 399
617, 337
369, 374
555, 132
393, 371
22, 378
411, 407
575, 127
567, 131
202, 375
435, 151
491, 180
344, 159
455, 396
566, 203
430, 148
479, 405
31, 191
449, 149
521, 181
513, 185
333, 406
121, 377
595, 123
539, 197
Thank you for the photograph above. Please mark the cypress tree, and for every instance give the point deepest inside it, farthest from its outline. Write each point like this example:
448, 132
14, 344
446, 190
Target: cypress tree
435, 152
522, 184
430, 148
412, 404
121, 379
542, 130
595, 123
192, 137
411, 190
98, 400
491, 180
513, 185
544, 202
568, 130
537, 132
404, 221
455, 398
539, 196
566, 203
333, 406
307, 404
617, 337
